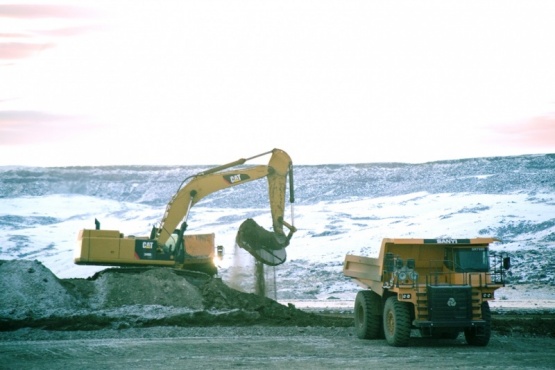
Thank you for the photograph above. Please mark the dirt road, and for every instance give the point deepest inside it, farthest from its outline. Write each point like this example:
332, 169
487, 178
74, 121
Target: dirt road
260, 347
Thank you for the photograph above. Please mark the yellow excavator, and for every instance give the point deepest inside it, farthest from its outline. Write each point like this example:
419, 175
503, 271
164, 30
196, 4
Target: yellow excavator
169, 246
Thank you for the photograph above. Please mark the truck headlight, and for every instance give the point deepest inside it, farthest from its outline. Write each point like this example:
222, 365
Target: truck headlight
414, 276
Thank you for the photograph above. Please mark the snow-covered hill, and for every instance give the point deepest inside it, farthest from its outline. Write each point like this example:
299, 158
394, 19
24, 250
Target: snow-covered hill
339, 209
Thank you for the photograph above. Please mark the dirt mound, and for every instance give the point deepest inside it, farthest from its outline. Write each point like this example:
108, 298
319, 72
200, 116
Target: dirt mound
29, 290
150, 287
31, 296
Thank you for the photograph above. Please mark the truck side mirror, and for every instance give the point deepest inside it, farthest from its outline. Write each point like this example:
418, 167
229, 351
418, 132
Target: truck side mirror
506, 263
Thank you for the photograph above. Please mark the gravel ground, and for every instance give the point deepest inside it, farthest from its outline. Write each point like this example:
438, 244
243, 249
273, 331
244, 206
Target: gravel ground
257, 347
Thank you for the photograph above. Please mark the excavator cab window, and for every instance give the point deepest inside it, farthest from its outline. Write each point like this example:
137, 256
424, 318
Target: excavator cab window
467, 259
170, 245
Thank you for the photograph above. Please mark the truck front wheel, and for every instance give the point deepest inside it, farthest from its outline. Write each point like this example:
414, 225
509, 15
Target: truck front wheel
368, 321
480, 336
396, 322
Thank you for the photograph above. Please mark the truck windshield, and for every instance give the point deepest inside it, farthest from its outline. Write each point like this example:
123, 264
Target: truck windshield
471, 259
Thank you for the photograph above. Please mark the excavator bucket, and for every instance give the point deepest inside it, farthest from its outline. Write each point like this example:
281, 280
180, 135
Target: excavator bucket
266, 246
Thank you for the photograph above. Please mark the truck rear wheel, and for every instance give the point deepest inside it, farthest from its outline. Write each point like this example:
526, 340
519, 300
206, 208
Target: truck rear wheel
368, 321
396, 322
480, 336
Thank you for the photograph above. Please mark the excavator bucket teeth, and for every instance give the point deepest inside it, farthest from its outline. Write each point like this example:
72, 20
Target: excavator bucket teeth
266, 246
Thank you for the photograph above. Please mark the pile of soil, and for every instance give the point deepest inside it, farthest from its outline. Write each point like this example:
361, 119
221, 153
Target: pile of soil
32, 296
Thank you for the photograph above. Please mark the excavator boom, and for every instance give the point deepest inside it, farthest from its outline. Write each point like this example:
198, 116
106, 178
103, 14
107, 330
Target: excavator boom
266, 246
199, 187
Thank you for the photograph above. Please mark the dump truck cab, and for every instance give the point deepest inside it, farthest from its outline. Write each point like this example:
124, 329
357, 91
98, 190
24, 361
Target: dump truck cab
440, 286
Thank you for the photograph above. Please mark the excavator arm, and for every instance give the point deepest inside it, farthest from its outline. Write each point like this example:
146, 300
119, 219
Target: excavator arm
267, 247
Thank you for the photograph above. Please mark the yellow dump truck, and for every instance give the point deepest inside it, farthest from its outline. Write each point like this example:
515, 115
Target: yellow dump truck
439, 286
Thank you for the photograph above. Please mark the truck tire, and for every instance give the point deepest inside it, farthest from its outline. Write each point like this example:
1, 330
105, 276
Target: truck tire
480, 336
396, 322
368, 321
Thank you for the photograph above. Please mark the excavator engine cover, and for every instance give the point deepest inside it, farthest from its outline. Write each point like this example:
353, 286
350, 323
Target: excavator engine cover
266, 246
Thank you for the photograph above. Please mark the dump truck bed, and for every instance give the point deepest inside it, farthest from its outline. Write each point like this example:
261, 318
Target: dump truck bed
428, 255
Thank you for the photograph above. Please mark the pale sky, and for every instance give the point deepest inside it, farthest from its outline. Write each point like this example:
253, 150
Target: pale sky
211, 81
